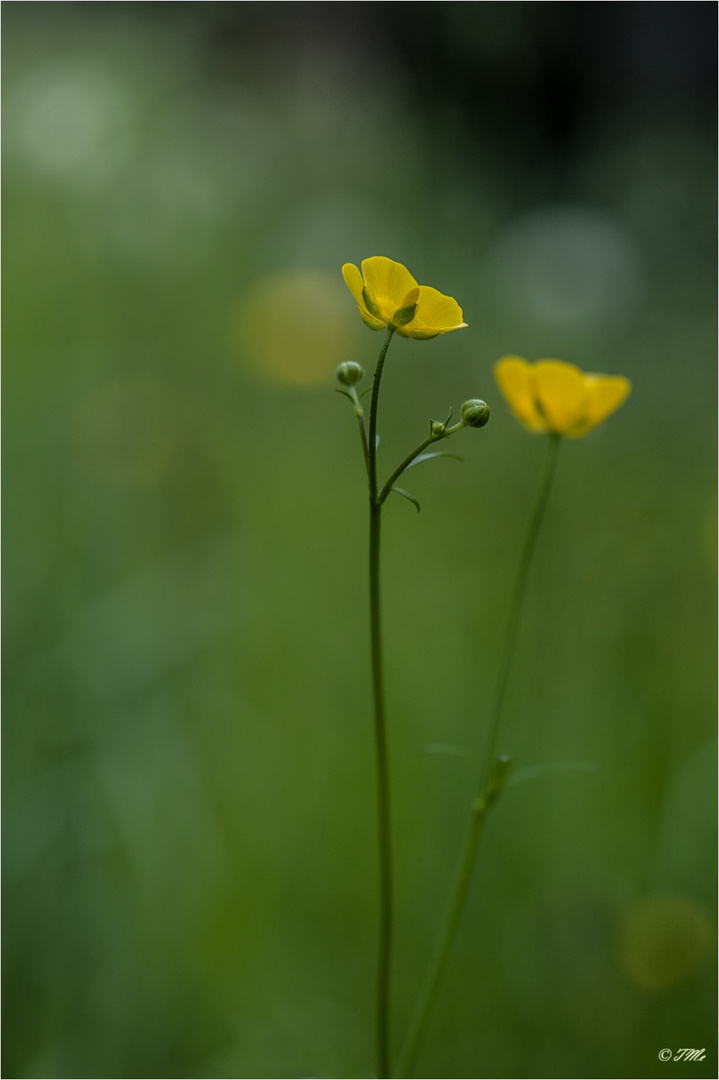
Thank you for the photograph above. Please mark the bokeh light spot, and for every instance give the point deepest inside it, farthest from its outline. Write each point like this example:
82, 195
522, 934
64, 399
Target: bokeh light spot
294, 328
73, 121
663, 941
567, 267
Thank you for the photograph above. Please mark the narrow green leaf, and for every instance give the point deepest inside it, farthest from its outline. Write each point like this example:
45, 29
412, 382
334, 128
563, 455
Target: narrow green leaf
454, 751
436, 453
401, 491
533, 771
345, 394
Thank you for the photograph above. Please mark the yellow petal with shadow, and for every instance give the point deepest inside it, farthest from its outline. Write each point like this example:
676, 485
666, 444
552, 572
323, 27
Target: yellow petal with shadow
436, 314
605, 393
389, 283
353, 281
561, 394
514, 378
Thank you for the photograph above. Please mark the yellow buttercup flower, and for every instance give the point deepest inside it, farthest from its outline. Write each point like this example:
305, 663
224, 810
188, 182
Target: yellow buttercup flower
387, 295
557, 397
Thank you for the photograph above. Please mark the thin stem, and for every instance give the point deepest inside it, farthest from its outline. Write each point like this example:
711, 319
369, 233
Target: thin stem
433, 437
405, 465
380, 728
444, 941
363, 438
383, 800
489, 786
517, 602
373, 415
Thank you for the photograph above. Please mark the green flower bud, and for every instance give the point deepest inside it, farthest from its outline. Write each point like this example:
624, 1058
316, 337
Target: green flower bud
349, 373
438, 428
475, 412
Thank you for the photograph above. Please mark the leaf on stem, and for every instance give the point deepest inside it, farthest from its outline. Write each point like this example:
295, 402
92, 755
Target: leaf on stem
345, 394
435, 453
401, 491
451, 750
533, 771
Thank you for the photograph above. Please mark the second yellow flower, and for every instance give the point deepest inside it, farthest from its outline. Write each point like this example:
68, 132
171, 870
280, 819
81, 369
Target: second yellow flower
558, 397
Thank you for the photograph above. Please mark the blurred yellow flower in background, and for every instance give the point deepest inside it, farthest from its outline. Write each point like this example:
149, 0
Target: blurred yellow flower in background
557, 397
387, 295
292, 328
664, 940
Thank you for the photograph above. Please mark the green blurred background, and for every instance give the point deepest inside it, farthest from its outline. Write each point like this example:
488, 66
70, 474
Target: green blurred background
189, 841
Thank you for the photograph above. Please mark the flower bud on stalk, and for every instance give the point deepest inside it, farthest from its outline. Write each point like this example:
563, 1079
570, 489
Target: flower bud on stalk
475, 412
349, 373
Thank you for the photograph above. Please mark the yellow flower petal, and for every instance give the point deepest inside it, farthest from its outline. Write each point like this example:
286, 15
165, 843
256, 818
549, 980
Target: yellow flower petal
353, 281
514, 378
605, 393
561, 394
389, 284
369, 320
436, 314
553, 396
385, 292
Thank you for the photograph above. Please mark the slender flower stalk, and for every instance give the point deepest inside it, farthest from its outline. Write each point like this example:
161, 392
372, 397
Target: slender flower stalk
557, 398
373, 415
517, 601
475, 413
349, 374
384, 818
489, 788
389, 298
406, 464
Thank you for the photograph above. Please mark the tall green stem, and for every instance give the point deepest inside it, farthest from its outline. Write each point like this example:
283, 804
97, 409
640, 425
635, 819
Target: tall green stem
517, 602
383, 795
373, 415
489, 787
383, 800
